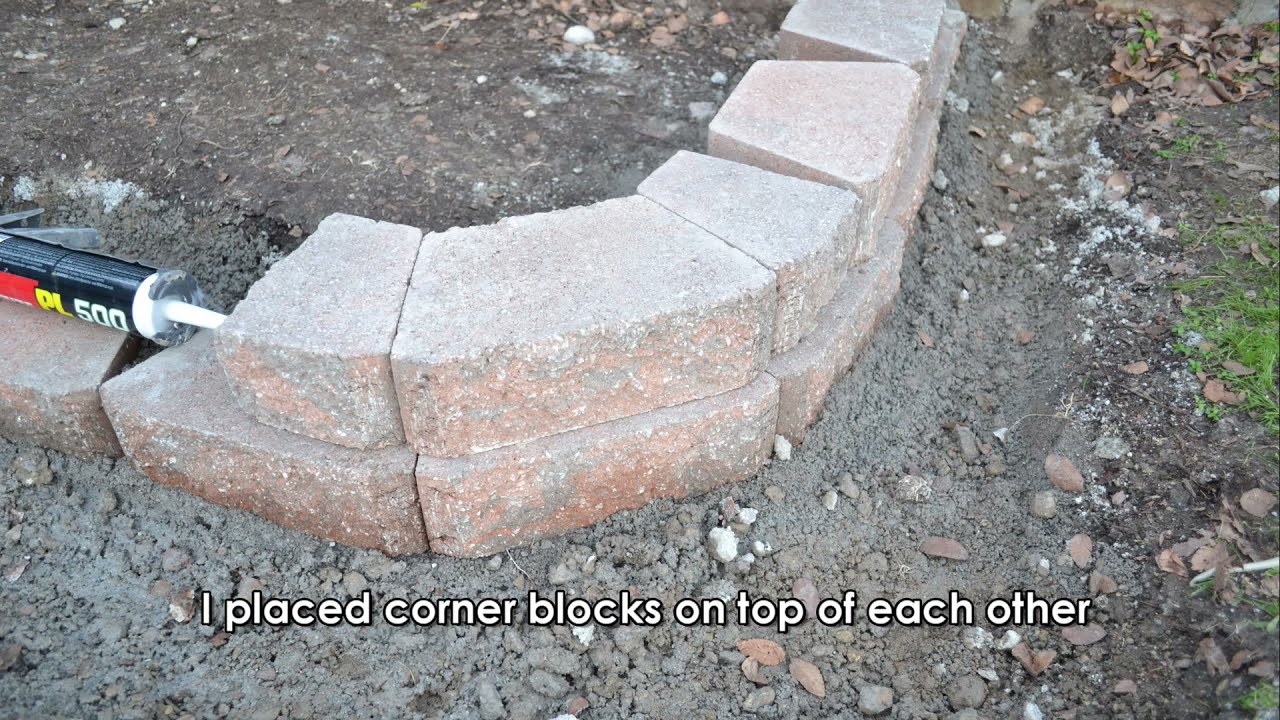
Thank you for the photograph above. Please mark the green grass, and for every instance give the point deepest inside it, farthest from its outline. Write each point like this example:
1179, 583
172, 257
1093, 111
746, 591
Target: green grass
1181, 147
1262, 697
1235, 307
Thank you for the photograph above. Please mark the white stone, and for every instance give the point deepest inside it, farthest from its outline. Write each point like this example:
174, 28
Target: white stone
1010, 640
994, 240
719, 78
748, 515
782, 448
1032, 712
115, 23
722, 544
579, 35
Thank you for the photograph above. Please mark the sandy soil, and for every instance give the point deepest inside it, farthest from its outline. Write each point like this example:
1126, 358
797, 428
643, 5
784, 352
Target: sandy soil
97, 557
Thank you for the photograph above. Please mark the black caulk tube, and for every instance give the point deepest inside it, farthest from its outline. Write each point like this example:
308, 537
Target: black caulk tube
161, 305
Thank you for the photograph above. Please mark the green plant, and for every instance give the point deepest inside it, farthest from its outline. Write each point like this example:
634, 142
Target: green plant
1135, 49
1262, 697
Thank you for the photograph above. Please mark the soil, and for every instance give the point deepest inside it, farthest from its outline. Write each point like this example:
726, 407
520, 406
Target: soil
1028, 336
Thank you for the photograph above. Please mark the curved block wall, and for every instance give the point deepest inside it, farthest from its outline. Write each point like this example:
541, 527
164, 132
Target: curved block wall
479, 388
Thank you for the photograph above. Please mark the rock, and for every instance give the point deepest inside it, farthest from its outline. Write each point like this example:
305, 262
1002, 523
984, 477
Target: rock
31, 467
944, 548
829, 500
1031, 711
544, 683
848, 487
1110, 448
782, 448
1044, 504
579, 35
561, 574
994, 240
1063, 473
989, 675
940, 181
977, 638
354, 583
702, 111
874, 699
174, 560
116, 23
761, 548
719, 78
747, 515
1010, 640
775, 494
1001, 434
491, 707
968, 443
968, 691
760, 697
1271, 197
722, 544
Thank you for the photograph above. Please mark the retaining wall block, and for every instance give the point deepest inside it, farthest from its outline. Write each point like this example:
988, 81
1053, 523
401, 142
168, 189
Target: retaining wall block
839, 123
309, 349
50, 370
918, 171
803, 231
180, 426
546, 323
870, 30
808, 371
485, 503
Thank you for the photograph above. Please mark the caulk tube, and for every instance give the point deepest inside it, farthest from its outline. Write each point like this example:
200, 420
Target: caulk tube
164, 306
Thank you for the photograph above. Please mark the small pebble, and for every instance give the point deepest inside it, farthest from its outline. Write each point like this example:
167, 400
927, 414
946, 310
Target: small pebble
719, 78
874, 699
31, 467
994, 240
760, 697
115, 23
848, 487
1110, 448
722, 544
782, 448
830, 499
1044, 504
1009, 641
579, 35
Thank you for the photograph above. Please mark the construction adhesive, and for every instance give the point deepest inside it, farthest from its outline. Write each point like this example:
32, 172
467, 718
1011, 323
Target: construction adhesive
164, 306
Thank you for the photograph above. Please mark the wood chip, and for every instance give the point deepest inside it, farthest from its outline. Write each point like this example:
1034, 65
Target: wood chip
809, 677
765, 652
944, 548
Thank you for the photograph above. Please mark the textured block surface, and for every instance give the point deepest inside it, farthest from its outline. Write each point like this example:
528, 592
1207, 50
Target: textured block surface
485, 503
180, 426
545, 323
50, 370
807, 372
875, 30
309, 349
803, 231
918, 171
841, 124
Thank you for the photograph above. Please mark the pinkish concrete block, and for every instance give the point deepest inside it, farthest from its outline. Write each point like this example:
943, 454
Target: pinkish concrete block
309, 349
546, 323
179, 425
50, 370
841, 124
867, 30
803, 231
808, 371
918, 171
485, 503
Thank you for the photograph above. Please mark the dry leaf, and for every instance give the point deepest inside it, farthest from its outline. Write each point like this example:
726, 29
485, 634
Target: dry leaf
1024, 337
1035, 663
751, 669
1169, 562
1208, 556
1215, 391
944, 548
1117, 186
924, 338
765, 652
721, 18
806, 592
1080, 548
1083, 634
1100, 584
1257, 502
1031, 105
15, 572
1214, 659
1063, 473
977, 131
1236, 368
1137, 368
809, 677
1119, 105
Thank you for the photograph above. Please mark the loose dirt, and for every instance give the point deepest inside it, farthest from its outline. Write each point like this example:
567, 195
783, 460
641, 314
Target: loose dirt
1025, 337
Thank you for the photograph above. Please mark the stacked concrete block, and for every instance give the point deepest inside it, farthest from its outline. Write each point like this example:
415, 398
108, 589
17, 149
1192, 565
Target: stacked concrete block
802, 231
50, 370
845, 124
180, 425
309, 349
487, 502
808, 371
918, 171
547, 323
869, 30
